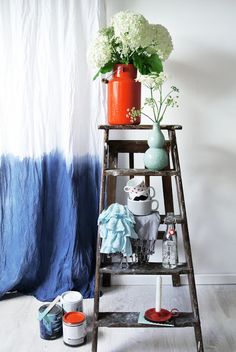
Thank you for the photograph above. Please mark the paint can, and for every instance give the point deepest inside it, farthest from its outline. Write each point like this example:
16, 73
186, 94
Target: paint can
74, 329
72, 301
51, 324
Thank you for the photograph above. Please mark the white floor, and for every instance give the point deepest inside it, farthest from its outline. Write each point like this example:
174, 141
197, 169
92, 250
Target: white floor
19, 330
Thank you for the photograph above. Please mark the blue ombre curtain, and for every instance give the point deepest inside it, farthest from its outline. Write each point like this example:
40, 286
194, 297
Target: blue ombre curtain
49, 146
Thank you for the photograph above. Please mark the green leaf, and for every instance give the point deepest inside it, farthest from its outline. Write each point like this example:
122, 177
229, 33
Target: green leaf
97, 74
147, 65
107, 68
155, 63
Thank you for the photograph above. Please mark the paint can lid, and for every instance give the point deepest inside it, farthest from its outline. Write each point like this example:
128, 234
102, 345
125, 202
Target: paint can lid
72, 296
56, 310
74, 318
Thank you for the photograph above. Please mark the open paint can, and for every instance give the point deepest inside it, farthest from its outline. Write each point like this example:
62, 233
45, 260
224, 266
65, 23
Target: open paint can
74, 328
72, 301
51, 324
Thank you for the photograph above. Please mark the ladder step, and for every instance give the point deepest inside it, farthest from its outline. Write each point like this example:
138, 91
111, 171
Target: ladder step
139, 172
179, 219
143, 269
131, 146
138, 127
130, 319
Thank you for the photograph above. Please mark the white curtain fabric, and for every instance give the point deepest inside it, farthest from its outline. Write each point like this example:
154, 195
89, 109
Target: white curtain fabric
49, 146
48, 100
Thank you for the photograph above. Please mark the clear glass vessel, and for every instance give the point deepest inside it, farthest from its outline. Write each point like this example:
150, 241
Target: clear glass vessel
169, 244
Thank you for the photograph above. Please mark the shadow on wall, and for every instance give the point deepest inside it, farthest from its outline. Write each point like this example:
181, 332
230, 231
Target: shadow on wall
208, 72
213, 193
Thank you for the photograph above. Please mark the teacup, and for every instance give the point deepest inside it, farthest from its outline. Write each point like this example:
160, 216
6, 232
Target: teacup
137, 188
142, 207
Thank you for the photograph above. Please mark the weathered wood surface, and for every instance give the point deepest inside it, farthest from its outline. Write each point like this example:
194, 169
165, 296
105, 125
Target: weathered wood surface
168, 200
131, 162
138, 127
98, 256
138, 172
187, 245
130, 319
160, 235
111, 182
131, 146
219, 325
143, 269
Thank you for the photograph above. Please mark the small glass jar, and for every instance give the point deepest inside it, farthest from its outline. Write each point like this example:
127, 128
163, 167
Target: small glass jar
169, 243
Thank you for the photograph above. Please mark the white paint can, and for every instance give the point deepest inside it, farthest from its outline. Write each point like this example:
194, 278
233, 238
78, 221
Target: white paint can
74, 328
72, 301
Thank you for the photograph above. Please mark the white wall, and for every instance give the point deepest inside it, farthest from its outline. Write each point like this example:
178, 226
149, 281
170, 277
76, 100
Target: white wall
203, 66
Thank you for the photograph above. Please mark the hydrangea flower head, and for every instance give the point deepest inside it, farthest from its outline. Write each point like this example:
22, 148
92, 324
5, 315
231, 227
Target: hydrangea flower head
131, 29
100, 50
161, 41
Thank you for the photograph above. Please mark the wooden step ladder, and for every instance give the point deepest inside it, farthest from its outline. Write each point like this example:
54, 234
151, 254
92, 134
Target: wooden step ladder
105, 268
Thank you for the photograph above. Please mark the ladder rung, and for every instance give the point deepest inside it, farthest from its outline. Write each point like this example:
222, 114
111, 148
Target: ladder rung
130, 319
138, 127
143, 269
179, 219
131, 146
139, 172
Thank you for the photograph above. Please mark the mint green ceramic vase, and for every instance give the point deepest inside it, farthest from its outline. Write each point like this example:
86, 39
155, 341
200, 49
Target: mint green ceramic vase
156, 157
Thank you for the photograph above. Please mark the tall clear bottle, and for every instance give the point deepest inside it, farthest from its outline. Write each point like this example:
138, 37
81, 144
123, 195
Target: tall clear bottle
169, 244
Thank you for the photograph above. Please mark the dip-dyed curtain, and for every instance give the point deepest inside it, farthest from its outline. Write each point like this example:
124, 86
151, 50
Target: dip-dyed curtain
49, 146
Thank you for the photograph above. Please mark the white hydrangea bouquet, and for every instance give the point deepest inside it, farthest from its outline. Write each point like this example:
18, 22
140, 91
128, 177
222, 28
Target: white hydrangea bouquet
131, 39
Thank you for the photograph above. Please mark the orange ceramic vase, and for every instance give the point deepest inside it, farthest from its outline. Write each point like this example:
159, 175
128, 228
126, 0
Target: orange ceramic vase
124, 93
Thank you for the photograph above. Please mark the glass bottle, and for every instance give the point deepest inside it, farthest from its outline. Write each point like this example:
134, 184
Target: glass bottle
169, 244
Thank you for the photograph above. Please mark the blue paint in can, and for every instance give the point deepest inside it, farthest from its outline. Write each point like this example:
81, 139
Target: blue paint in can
51, 324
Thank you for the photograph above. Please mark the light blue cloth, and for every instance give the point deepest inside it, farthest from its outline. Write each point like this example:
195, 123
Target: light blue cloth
116, 228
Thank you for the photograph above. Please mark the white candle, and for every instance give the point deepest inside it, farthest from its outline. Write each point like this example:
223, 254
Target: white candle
158, 293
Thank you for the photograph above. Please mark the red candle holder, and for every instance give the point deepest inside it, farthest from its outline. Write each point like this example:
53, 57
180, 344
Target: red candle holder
160, 317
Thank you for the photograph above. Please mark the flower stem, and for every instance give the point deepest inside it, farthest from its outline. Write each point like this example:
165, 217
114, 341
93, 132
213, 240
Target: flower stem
161, 102
156, 108
148, 117
153, 108
167, 95
163, 113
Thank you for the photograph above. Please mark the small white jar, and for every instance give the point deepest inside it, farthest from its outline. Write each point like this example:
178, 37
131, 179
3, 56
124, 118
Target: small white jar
72, 301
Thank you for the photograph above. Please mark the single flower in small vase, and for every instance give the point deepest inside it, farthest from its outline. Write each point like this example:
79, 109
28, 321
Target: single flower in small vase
156, 156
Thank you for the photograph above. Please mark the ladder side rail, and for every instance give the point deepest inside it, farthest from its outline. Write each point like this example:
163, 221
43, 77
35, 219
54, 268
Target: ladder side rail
110, 198
187, 247
169, 203
98, 255
147, 181
131, 163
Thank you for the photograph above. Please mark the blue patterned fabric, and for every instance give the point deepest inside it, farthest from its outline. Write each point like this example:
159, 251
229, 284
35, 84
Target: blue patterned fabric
48, 225
116, 229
